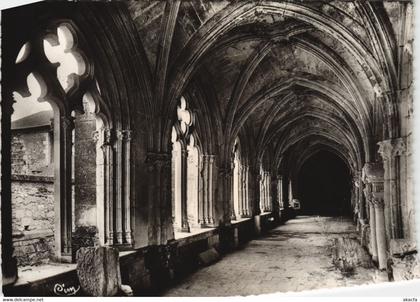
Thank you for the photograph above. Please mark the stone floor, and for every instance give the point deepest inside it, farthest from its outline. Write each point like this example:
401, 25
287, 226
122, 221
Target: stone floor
293, 257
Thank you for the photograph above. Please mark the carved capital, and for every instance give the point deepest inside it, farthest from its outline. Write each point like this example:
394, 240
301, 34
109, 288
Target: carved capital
119, 134
367, 192
392, 148
372, 172
126, 135
204, 159
378, 202
96, 136
109, 136
67, 123
184, 152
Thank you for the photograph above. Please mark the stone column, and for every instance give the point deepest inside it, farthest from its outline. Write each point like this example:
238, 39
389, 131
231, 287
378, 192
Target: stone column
372, 222
269, 193
242, 192
207, 192
256, 180
392, 152
274, 196
225, 190
373, 176
380, 232
265, 191
290, 193
193, 177
232, 189
247, 209
63, 184
184, 187
8, 261
118, 145
85, 232
210, 191
374, 246
98, 138
262, 192
202, 187
280, 192
126, 215
108, 151
159, 196
360, 198
240, 189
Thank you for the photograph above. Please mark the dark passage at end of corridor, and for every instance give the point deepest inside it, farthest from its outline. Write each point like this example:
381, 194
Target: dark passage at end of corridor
324, 184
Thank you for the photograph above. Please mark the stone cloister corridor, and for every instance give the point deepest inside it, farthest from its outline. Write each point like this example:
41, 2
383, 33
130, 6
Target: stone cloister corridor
306, 246
188, 148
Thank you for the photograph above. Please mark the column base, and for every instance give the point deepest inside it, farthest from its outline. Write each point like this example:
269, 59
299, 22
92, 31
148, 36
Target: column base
257, 225
381, 276
9, 271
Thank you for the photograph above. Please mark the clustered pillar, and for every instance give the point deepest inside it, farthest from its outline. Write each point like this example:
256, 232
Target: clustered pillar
374, 192
207, 218
280, 191
184, 214
265, 184
245, 194
393, 154
115, 186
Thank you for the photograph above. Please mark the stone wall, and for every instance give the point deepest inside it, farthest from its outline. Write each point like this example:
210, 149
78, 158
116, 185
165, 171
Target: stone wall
33, 218
32, 152
151, 270
33, 210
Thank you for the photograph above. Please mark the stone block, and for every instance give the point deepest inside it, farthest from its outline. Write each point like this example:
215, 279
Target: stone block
84, 236
29, 249
41, 246
98, 270
406, 268
400, 247
348, 253
208, 257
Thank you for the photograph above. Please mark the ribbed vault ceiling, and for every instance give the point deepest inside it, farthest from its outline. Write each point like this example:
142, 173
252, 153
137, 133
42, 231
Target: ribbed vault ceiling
290, 78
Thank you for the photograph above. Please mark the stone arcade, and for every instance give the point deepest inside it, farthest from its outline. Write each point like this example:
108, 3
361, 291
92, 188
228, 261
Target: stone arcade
183, 129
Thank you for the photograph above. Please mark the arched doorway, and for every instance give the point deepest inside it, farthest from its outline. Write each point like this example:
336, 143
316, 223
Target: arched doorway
324, 185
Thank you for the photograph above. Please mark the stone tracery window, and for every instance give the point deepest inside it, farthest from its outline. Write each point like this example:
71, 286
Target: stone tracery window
240, 207
61, 49
265, 191
237, 188
185, 170
81, 161
32, 180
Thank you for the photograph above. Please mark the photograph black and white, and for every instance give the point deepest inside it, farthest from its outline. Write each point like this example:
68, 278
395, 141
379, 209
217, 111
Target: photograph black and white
206, 148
